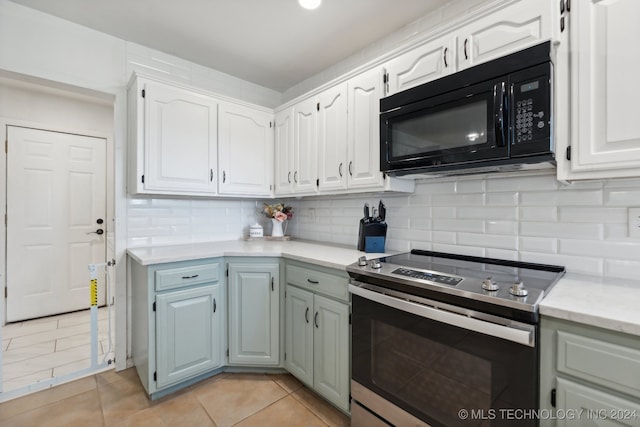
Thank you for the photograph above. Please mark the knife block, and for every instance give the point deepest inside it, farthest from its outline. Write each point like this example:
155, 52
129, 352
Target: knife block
372, 229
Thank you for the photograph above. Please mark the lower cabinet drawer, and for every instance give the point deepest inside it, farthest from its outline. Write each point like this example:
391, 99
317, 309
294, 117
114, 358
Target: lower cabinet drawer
318, 281
186, 276
611, 365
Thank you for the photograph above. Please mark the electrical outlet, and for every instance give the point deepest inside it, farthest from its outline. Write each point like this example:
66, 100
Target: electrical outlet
634, 222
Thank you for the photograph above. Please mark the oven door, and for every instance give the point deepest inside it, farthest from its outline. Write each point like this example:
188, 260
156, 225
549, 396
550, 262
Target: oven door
463, 126
443, 365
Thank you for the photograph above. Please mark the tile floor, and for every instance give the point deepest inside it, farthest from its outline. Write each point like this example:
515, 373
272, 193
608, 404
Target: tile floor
40, 349
118, 399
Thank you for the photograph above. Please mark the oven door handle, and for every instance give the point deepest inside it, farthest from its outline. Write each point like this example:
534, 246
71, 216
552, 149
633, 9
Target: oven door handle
520, 333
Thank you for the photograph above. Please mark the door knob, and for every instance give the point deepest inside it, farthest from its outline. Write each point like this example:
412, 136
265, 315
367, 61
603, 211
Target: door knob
99, 231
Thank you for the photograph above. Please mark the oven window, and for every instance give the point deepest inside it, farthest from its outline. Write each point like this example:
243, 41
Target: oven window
437, 129
433, 370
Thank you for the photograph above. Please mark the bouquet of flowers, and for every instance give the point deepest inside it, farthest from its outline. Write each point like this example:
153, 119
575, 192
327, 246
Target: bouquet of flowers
278, 211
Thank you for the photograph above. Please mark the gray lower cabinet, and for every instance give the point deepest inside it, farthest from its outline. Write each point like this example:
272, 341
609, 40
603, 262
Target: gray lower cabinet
317, 330
589, 376
254, 312
178, 322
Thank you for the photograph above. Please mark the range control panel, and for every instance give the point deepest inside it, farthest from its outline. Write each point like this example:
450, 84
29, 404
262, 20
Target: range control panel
432, 277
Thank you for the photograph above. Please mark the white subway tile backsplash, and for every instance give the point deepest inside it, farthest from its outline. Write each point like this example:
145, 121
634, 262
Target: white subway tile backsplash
529, 217
589, 214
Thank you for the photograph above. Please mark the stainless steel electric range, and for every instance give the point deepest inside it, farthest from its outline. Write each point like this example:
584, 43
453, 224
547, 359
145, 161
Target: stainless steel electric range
446, 340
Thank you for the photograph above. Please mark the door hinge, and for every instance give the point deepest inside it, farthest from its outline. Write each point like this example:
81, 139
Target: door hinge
154, 306
385, 78
227, 273
272, 285
142, 179
143, 93
553, 397
5, 219
318, 182
285, 355
5, 292
270, 125
349, 318
227, 352
155, 375
569, 153
6, 145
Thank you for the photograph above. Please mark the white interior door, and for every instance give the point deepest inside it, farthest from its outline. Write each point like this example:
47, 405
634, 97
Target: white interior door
56, 201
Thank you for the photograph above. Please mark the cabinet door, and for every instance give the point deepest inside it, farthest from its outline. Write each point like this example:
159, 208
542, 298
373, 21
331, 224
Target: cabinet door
284, 152
605, 135
299, 334
363, 168
254, 305
332, 138
180, 141
331, 351
188, 331
594, 408
520, 25
245, 151
306, 146
422, 64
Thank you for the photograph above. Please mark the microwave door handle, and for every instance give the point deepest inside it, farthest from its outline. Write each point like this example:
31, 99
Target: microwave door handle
500, 95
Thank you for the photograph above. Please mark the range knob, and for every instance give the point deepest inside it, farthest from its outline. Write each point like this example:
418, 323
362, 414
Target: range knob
375, 264
518, 290
489, 285
362, 261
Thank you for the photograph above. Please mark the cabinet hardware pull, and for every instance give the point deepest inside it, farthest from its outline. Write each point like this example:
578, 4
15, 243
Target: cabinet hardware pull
340, 169
211, 175
313, 282
315, 320
224, 176
350, 171
190, 277
289, 177
445, 57
295, 177
306, 315
466, 41
214, 305
272, 286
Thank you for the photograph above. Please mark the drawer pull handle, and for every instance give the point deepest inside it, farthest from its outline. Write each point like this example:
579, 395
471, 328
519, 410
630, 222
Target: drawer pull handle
315, 320
190, 277
306, 315
313, 282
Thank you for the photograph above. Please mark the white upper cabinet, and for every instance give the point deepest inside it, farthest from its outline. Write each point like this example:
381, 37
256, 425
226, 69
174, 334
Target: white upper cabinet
503, 31
332, 138
305, 139
363, 134
284, 147
604, 109
422, 64
174, 140
245, 151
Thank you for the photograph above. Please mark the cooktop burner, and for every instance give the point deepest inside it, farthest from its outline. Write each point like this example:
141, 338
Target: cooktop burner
486, 284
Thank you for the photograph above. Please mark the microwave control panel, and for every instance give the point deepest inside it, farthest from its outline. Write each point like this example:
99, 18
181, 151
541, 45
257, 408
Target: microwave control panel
531, 121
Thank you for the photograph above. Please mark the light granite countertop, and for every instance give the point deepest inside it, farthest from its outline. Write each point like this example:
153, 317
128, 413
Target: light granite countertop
323, 254
606, 303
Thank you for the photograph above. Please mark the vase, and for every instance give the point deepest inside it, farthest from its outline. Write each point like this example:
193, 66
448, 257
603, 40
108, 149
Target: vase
276, 231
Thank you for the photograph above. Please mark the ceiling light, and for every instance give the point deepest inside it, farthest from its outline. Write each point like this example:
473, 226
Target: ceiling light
310, 4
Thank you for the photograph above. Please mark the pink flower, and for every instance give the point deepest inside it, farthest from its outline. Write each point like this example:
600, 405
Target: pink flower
280, 216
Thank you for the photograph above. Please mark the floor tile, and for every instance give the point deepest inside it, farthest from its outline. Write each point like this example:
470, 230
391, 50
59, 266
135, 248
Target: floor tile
321, 408
22, 353
238, 396
30, 328
76, 411
22, 341
27, 379
121, 399
42, 398
284, 412
288, 382
183, 409
69, 368
144, 418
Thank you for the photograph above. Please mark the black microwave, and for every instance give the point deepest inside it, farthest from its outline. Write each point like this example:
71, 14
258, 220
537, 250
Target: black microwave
494, 116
